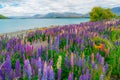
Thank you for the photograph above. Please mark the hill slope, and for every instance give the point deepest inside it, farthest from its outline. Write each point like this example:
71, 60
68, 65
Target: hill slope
2, 17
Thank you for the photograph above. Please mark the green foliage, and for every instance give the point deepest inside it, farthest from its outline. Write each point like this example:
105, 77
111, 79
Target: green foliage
114, 62
14, 58
118, 17
62, 43
43, 37
2, 17
115, 35
105, 41
99, 13
36, 37
2, 58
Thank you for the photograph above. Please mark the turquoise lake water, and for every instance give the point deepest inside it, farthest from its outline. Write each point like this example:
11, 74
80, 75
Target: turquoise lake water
11, 25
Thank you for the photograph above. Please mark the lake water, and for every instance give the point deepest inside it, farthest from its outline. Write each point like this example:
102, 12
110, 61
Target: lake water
11, 25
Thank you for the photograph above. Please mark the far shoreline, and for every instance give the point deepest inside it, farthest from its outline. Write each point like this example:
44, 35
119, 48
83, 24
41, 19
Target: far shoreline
50, 18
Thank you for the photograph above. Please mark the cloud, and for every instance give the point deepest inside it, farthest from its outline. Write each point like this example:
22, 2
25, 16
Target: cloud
31, 7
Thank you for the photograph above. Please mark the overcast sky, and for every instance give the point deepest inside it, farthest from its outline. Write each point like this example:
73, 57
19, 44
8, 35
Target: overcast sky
31, 7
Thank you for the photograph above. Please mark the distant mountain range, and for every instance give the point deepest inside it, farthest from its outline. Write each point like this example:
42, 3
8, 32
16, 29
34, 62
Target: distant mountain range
115, 10
53, 15
62, 15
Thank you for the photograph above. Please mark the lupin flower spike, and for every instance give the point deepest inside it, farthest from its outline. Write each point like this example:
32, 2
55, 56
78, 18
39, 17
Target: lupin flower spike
72, 59
59, 62
92, 57
83, 56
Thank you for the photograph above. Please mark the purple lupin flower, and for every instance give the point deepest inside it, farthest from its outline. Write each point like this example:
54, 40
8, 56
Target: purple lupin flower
48, 72
39, 52
3, 53
82, 77
34, 66
67, 62
59, 74
22, 49
101, 77
82, 48
78, 41
83, 71
33, 71
51, 62
93, 65
117, 43
79, 62
12, 75
6, 67
67, 40
44, 77
97, 56
91, 43
39, 74
51, 74
56, 43
27, 69
106, 67
7, 64
16, 47
1, 75
70, 77
99, 59
17, 68
87, 74
8, 47
39, 65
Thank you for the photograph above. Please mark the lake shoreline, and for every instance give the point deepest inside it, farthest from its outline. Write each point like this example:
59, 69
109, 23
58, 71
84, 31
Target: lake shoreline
24, 32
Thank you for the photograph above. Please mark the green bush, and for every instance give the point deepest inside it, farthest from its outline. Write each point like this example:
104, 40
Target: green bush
99, 14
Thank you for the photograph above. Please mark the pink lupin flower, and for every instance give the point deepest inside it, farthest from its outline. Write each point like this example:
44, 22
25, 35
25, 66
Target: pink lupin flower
76, 31
101, 77
92, 56
29, 49
44, 77
51, 41
45, 67
72, 59
102, 61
